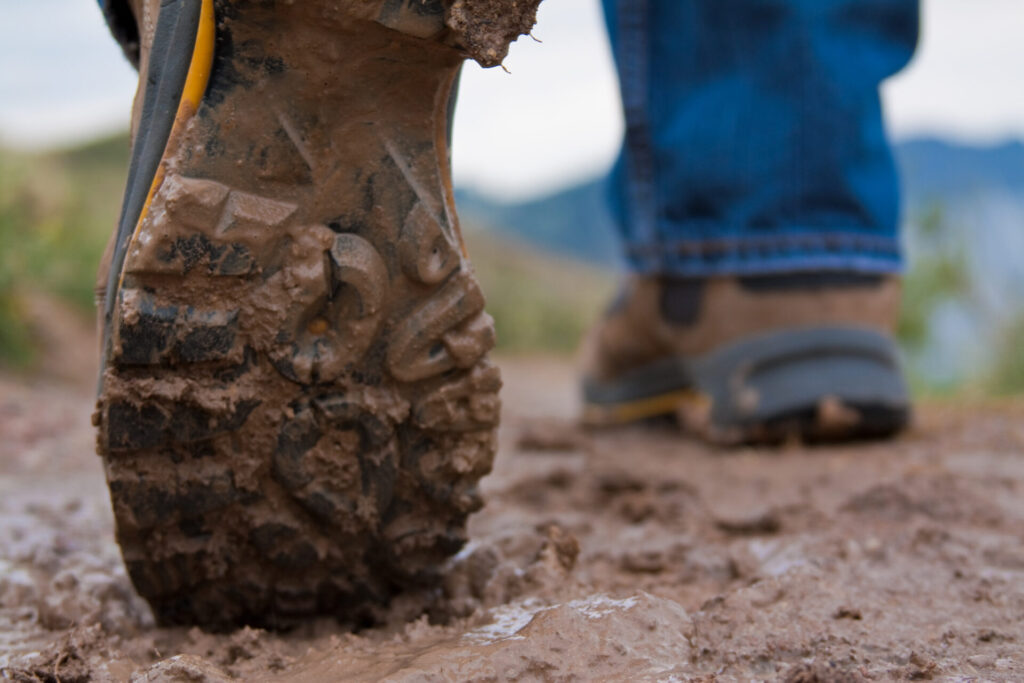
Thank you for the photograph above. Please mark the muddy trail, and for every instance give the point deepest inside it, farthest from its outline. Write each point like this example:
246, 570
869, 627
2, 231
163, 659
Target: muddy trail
625, 555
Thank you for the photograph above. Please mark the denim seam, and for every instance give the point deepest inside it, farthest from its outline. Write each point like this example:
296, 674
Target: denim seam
692, 266
830, 240
633, 18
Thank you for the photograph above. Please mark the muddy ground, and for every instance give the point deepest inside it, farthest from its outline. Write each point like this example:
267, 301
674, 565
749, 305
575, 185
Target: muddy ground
631, 555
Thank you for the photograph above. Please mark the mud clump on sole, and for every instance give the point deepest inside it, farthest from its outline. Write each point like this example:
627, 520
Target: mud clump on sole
485, 28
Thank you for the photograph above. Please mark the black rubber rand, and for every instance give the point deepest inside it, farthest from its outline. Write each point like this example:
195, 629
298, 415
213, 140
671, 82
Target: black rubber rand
169, 63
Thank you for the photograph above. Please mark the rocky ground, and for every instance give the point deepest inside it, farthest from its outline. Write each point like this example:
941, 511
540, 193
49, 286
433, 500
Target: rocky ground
629, 555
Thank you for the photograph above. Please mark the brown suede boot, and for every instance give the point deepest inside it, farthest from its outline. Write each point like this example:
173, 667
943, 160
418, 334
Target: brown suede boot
742, 359
296, 403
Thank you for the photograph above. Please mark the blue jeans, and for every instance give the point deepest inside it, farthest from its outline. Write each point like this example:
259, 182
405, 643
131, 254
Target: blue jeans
754, 139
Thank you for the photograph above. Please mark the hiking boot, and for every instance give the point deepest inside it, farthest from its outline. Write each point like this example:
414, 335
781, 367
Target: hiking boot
296, 404
751, 359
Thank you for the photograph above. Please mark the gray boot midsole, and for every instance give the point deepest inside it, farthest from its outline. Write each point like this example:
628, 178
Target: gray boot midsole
765, 376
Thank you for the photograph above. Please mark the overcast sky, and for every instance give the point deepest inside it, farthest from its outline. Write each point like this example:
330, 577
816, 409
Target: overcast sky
552, 120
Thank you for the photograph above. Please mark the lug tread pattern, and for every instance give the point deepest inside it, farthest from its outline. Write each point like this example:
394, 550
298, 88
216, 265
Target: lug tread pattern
365, 475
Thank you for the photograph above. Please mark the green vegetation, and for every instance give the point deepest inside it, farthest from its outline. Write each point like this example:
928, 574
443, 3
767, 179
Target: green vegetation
56, 213
539, 303
1007, 375
940, 272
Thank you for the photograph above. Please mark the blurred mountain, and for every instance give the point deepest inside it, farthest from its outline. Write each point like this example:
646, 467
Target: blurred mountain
575, 221
936, 170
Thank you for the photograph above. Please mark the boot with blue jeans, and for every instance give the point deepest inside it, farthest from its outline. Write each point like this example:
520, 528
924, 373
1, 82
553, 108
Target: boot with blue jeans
758, 207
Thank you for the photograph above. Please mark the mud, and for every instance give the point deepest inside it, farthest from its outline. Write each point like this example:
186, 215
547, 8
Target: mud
632, 554
481, 29
485, 28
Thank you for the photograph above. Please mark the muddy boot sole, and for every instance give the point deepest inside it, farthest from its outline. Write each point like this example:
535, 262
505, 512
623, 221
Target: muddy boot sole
296, 404
816, 384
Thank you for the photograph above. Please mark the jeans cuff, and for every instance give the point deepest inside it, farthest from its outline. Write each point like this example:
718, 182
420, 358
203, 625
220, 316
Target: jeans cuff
764, 255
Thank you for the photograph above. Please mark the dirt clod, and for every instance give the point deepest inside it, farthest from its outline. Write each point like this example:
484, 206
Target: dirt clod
759, 523
560, 548
484, 28
821, 673
547, 436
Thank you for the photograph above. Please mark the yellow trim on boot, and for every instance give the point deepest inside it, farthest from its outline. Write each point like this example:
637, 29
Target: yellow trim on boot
191, 95
596, 414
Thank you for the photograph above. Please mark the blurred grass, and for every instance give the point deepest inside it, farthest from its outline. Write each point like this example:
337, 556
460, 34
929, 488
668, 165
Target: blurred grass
1007, 374
539, 302
939, 273
56, 212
